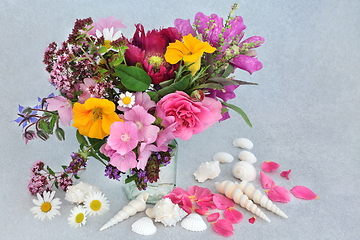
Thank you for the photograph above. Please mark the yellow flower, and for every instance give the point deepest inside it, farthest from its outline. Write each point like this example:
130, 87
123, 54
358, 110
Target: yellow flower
190, 51
94, 117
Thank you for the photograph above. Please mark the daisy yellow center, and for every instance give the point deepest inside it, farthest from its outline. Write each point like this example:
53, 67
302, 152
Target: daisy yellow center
45, 207
107, 44
126, 100
97, 114
79, 218
95, 205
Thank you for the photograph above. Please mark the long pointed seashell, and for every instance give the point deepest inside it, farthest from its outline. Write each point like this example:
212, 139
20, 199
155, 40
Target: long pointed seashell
134, 206
259, 198
231, 191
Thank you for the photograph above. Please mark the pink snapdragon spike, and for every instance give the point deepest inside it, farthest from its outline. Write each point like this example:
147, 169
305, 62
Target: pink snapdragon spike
182, 198
64, 108
304, 193
223, 227
202, 196
285, 174
222, 202
266, 181
278, 194
269, 166
213, 217
252, 220
233, 215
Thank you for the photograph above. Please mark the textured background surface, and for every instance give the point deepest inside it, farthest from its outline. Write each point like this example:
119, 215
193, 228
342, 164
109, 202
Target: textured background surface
304, 114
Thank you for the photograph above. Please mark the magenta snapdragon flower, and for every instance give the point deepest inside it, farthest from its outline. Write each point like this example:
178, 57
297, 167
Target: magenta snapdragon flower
64, 108
123, 137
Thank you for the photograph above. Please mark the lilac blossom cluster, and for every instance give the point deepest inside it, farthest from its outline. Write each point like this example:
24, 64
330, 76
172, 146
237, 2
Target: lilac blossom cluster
78, 161
112, 172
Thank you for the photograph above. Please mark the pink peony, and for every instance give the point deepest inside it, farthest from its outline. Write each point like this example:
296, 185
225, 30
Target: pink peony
190, 117
64, 108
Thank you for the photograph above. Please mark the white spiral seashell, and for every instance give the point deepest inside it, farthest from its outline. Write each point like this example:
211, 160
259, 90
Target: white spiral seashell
245, 171
134, 206
223, 157
77, 193
144, 226
207, 170
166, 212
247, 156
243, 143
230, 190
194, 222
259, 198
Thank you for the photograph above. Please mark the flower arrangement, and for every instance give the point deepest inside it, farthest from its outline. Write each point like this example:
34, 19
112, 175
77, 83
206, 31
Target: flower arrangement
128, 98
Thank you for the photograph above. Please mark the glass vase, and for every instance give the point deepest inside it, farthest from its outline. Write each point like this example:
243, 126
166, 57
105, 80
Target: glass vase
164, 185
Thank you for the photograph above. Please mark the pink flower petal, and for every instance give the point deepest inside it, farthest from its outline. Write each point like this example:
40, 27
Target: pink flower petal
267, 182
213, 217
278, 194
269, 166
201, 211
252, 220
223, 227
233, 215
286, 174
222, 202
304, 193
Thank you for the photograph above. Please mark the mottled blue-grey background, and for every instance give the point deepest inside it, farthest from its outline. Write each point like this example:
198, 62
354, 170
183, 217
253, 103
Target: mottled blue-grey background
305, 114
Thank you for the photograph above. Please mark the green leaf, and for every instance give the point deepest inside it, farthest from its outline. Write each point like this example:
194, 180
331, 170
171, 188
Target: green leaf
76, 176
64, 167
153, 95
102, 50
180, 86
133, 78
44, 126
224, 110
81, 139
238, 110
56, 184
130, 179
228, 82
166, 83
97, 143
53, 119
50, 171
228, 71
209, 85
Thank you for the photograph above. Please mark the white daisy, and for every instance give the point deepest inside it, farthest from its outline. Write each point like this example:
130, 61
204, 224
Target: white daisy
127, 100
47, 206
96, 203
109, 36
77, 217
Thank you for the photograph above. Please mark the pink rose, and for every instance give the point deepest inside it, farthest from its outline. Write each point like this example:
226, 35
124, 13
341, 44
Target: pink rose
190, 117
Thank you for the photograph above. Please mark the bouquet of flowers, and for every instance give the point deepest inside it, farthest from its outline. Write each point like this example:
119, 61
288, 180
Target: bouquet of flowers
128, 98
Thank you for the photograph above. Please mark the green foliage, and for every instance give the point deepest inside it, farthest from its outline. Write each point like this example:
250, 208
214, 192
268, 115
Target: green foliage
133, 78
238, 110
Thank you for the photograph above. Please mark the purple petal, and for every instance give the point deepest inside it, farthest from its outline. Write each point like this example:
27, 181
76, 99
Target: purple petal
184, 27
247, 63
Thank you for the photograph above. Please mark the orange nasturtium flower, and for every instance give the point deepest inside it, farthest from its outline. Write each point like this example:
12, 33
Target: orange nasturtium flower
94, 117
190, 51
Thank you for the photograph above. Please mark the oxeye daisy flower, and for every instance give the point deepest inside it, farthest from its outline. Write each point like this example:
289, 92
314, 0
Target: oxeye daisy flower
77, 217
126, 100
46, 206
108, 35
96, 204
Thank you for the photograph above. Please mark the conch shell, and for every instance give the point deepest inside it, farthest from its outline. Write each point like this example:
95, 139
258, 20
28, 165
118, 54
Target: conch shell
259, 198
245, 171
207, 170
134, 206
231, 191
77, 193
166, 212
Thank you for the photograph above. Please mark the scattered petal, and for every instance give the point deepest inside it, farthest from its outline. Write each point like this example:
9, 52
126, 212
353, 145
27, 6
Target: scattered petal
223, 227
286, 174
213, 217
269, 166
304, 193
278, 194
201, 211
233, 215
267, 182
222, 202
252, 220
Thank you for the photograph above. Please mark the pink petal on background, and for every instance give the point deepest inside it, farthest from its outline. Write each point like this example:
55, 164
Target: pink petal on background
252, 220
278, 194
269, 166
233, 215
285, 174
304, 193
222, 202
223, 227
267, 182
201, 211
213, 217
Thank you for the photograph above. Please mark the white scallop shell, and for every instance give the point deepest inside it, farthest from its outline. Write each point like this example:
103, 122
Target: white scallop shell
247, 156
144, 226
207, 170
194, 222
223, 157
245, 171
166, 212
77, 193
243, 143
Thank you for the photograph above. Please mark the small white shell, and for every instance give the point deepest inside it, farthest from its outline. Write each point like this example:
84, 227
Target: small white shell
243, 143
166, 212
194, 222
244, 171
247, 156
77, 193
223, 157
144, 226
207, 170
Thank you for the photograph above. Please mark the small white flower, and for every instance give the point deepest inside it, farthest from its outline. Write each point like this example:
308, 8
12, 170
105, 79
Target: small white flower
47, 206
127, 100
96, 203
109, 36
77, 217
